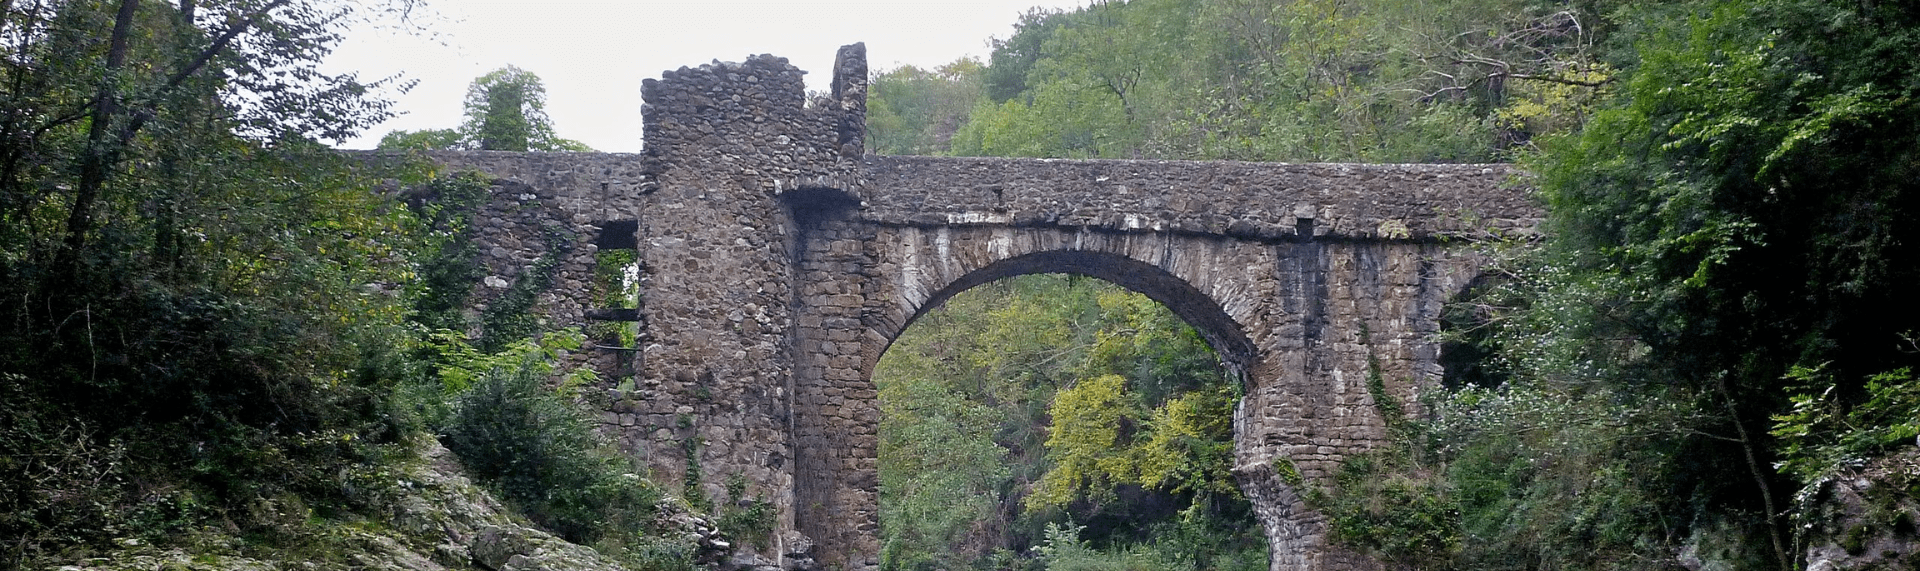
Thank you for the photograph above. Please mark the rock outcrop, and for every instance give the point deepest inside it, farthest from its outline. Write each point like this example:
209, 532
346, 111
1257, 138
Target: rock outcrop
1865, 518
445, 522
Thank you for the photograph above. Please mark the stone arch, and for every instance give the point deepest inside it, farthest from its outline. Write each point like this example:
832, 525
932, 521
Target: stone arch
1228, 339
1186, 301
862, 284
1214, 283
1300, 321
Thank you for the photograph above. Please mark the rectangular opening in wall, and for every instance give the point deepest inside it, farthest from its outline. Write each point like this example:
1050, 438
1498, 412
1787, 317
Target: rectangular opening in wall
615, 316
618, 235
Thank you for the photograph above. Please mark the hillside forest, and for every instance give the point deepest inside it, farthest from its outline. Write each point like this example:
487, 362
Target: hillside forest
222, 341
1708, 338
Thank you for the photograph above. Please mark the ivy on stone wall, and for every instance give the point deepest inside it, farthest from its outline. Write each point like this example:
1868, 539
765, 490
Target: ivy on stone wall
1386, 502
690, 478
510, 317
450, 265
746, 518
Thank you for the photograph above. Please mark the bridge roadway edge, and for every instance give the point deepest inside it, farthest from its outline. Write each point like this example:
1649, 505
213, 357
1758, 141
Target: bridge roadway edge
779, 261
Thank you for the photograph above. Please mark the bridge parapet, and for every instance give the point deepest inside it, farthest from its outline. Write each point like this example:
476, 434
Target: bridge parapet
1261, 201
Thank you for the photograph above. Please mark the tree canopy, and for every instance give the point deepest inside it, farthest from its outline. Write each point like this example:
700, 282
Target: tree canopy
1712, 330
506, 110
1326, 80
199, 314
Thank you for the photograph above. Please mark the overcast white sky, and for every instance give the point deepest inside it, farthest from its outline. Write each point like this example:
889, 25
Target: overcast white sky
592, 54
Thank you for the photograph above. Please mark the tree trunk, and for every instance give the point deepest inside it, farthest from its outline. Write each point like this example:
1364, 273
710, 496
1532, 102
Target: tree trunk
103, 149
1759, 478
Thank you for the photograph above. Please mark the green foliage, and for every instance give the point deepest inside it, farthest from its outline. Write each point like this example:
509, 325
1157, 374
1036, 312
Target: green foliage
449, 259
510, 316
941, 470
1191, 446
1389, 502
531, 443
1545, 479
1527, 476
1384, 402
1085, 444
208, 329
962, 394
450, 269
654, 553
1402, 518
911, 111
204, 318
616, 285
1063, 550
1736, 217
984, 401
747, 519
1306, 80
1742, 235
422, 140
691, 474
506, 110
1818, 434
1014, 57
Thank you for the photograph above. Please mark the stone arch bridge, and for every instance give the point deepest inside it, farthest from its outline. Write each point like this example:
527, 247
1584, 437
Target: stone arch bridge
777, 261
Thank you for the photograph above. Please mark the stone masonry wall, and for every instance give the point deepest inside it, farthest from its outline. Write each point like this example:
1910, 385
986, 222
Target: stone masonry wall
778, 263
1253, 201
727, 140
540, 205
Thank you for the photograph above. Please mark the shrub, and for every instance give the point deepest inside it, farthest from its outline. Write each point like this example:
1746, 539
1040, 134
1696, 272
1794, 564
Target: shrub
1822, 433
532, 445
1063, 550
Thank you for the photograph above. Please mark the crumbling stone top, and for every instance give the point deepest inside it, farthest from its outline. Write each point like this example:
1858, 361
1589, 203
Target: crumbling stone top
719, 84
1241, 199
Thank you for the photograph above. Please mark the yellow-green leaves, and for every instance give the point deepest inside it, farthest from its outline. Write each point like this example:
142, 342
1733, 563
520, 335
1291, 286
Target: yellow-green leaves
1191, 447
1086, 442
1102, 437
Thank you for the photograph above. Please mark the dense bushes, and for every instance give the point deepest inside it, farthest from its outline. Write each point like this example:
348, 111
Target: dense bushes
200, 325
209, 314
194, 365
1717, 318
518, 436
258, 360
